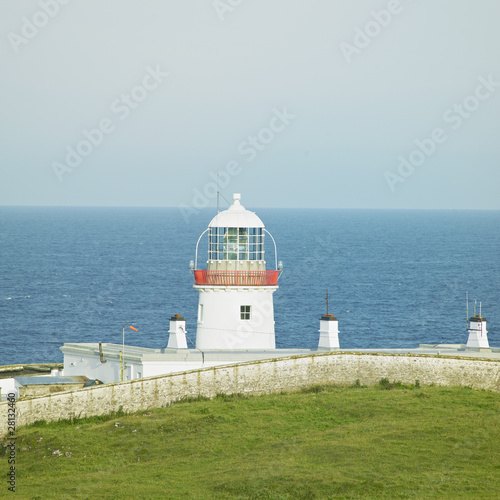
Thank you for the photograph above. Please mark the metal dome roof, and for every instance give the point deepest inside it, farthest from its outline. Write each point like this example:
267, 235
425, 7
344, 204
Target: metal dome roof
236, 216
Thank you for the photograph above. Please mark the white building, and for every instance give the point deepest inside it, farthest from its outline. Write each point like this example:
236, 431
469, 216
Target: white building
235, 311
235, 314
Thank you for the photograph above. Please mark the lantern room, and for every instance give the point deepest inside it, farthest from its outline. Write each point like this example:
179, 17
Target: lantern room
236, 254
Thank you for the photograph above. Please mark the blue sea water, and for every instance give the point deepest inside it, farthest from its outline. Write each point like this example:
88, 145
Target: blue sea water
395, 278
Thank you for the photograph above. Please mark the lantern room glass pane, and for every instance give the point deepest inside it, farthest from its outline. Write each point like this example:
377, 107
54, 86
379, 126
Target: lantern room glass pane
231, 244
215, 243
243, 243
235, 243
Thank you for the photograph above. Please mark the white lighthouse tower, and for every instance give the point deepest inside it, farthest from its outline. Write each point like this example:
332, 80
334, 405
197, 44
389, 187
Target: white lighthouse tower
235, 309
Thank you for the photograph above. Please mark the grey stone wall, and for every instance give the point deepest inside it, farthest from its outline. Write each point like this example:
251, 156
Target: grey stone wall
260, 377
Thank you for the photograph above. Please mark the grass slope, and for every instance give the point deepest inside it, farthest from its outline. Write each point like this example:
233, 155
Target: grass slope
325, 442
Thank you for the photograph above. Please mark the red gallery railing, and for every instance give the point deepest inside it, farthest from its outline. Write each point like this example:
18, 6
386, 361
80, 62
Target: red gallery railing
228, 278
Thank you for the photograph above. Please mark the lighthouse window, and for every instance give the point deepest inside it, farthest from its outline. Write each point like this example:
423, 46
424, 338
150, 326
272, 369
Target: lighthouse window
245, 312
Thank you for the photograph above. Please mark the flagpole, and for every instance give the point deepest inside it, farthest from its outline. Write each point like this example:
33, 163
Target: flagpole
122, 361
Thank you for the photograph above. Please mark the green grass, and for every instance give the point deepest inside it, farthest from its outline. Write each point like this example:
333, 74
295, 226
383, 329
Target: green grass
389, 441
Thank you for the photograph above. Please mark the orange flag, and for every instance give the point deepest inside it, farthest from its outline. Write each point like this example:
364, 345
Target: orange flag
132, 328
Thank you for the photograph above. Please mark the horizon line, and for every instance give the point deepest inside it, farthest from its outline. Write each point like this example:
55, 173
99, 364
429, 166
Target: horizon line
260, 207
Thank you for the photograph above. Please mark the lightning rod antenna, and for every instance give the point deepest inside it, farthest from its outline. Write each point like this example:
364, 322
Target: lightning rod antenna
217, 192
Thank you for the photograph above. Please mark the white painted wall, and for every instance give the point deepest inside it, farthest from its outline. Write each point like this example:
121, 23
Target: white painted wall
177, 334
109, 372
91, 366
221, 326
7, 385
328, 334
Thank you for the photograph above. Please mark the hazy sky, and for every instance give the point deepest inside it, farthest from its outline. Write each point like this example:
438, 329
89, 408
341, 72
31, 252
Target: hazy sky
299, 103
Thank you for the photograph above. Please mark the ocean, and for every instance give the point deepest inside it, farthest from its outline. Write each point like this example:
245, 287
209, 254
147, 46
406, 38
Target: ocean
394, 278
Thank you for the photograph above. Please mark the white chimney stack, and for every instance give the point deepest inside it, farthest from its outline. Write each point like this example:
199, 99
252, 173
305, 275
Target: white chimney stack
328, 332
177, 337
478, 335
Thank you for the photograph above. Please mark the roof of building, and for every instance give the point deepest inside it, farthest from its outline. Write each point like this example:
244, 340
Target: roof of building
147, 354
50, 380
236, 216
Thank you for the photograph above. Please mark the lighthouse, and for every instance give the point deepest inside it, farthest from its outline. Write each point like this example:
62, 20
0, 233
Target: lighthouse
235, 308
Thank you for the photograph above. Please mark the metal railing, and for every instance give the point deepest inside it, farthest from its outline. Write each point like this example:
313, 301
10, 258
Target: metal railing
236, 278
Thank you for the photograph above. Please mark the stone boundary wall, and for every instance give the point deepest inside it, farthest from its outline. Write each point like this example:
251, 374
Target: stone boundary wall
257, 377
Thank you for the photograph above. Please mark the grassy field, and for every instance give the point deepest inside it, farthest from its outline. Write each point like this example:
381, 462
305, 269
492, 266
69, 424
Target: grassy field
388, 441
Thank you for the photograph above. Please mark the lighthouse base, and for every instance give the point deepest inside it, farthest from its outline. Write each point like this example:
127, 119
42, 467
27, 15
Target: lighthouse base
235, 317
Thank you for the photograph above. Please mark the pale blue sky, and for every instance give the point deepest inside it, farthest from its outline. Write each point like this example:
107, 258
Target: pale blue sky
331, 119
